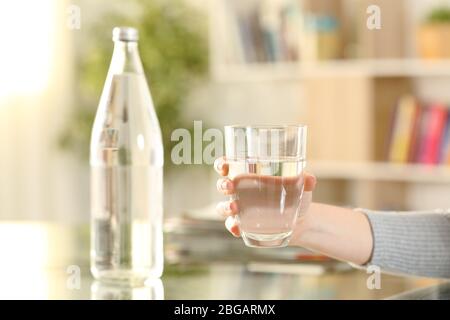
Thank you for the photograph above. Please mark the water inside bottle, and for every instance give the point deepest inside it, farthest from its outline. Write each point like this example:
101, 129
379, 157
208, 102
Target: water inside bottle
126, 185
127, 237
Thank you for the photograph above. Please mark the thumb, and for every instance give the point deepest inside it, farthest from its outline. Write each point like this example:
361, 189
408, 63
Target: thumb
305, 201
310, 182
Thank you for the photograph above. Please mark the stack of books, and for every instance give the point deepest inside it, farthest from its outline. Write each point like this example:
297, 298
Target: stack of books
420, 133
261, 31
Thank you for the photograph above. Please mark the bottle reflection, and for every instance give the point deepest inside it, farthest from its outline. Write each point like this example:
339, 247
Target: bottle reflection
153, 290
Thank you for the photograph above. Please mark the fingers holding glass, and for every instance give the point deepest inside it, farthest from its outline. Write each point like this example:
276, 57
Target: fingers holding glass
310, 182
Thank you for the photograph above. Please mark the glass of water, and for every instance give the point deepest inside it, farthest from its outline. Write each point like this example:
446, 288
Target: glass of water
266, 166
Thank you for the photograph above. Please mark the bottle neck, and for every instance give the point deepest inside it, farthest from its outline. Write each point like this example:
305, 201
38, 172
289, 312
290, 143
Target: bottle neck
125, 58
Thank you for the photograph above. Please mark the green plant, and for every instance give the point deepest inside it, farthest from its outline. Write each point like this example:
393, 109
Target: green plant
173, 50
438, 15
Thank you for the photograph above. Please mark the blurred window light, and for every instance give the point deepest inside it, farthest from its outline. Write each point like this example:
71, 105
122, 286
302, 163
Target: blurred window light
26, 31
25, 253
24, 246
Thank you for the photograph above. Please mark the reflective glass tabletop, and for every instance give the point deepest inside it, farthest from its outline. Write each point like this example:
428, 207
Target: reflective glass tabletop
51, 261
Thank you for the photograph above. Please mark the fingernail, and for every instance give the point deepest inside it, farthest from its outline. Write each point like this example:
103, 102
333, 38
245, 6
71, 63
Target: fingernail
225, 207
225, 185
235, 231
233, 206
229, 223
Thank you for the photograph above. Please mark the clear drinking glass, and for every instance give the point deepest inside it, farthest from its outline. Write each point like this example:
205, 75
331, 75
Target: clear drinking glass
266, 166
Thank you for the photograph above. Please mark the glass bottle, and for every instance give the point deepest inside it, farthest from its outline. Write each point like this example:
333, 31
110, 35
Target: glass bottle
126, 159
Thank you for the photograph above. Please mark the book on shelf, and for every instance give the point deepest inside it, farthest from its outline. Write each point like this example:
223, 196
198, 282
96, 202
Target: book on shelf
270, 31
445, 150
415, 134
402, 129
432, 139
419, 133
267, 31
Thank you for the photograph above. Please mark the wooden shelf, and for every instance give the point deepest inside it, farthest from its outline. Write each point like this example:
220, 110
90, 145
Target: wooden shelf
380, 171
257, 72
296, 71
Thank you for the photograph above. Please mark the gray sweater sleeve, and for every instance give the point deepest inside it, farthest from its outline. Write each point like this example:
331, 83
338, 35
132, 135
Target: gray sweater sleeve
415, 243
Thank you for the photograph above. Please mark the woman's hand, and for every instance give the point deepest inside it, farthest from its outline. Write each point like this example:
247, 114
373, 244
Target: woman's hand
338, 232
229, 209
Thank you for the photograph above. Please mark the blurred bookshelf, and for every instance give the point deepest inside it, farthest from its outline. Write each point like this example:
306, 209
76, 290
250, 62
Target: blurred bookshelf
351, 80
